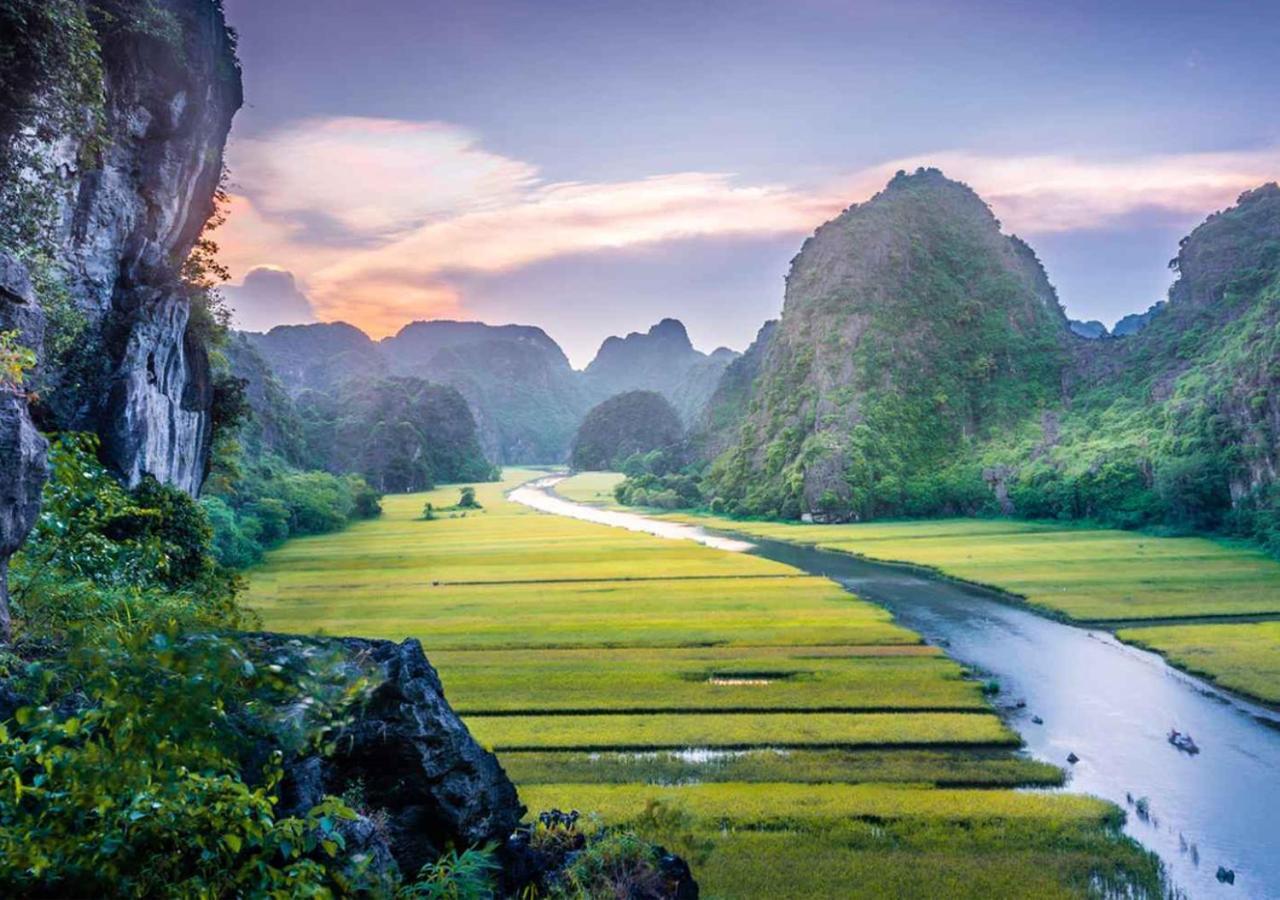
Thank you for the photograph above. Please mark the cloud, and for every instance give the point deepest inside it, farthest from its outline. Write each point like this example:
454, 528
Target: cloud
1044, 194
267, 297
564, 219
374, 177
380, 217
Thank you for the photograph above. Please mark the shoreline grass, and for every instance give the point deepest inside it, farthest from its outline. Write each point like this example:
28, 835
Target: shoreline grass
1244, 657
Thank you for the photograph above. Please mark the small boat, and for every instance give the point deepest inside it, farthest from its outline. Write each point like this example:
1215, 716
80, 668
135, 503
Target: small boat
1183, 742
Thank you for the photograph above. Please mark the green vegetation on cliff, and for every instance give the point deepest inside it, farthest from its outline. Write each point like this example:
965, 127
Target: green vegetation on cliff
922, 367
131, 723
912, 331
636, 422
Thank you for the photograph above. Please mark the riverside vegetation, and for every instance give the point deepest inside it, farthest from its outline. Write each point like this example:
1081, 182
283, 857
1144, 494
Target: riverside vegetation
780, 733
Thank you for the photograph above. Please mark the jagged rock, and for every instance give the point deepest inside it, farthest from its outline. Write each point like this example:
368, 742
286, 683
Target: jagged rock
1093, 330
662, 360
677, 874
22, 448
1135, 322
409, 754
22, 475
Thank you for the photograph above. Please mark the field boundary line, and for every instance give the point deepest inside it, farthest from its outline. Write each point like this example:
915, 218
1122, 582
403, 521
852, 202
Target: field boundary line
569, 712
627, 578
826, 745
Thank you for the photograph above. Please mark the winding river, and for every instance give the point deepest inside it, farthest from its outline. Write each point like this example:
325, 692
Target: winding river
1109, 704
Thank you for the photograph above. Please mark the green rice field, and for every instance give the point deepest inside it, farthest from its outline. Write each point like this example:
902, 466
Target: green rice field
787, 737
1152, 589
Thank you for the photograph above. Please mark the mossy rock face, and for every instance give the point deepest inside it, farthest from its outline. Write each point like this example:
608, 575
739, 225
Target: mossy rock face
630, 423
923, 367
911, 327
411, 756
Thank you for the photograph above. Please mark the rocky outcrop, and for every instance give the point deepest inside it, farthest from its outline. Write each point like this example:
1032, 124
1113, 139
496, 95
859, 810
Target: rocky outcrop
1093, 330
423, 783
911, 328
1135, 322
630, 423
418, 781
22, 448
22, 475
130, 207
662, 360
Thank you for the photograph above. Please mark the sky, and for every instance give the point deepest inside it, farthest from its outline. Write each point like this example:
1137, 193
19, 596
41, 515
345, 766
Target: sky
592, 166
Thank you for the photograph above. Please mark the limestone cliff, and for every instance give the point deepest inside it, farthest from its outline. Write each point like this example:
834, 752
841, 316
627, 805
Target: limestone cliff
129, 197
911, 328
663, 360
922, 366
22, 448
113, 117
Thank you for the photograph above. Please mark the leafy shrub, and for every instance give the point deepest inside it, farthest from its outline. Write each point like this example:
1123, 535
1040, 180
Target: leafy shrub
265, 503
615, 864
140, 760
129, 775
455, 876
100, 554
15, 361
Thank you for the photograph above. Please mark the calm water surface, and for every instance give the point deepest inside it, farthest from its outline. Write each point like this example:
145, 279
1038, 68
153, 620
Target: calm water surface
1109, 704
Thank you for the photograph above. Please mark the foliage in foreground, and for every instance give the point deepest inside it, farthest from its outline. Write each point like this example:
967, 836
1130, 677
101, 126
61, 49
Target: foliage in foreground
255, 505
127, 774
132, 727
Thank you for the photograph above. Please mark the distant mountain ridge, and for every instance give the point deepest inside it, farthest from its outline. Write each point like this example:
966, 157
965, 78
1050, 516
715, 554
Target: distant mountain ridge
527, 399
662, 360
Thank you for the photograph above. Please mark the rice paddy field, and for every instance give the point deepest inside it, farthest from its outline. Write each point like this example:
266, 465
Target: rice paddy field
790, 739
1156, 591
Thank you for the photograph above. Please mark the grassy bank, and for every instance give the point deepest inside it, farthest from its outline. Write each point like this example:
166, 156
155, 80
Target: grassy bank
605, 666
1243, 657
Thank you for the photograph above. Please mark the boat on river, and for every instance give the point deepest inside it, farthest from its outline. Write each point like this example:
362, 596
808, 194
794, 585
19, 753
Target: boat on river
1183, 741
